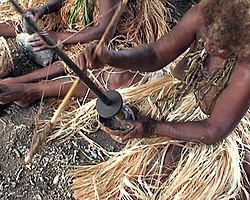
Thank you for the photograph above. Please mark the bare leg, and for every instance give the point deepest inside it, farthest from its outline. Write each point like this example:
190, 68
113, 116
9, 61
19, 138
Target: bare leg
23, 94
120, 78
7, 30
49, 72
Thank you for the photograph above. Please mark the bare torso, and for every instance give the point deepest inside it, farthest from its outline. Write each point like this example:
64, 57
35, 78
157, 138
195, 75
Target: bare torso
211, 64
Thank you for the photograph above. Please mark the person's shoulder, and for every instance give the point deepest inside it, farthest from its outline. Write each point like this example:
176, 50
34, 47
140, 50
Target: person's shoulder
245, 67
194, 11
193, 15
192, 19
242, 70
244, 63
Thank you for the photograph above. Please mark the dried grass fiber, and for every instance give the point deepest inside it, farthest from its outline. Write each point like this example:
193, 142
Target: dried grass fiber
203, 172
142, 21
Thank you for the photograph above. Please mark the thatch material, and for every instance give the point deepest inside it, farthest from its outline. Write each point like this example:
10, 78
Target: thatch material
138, 171
6, 62
9, 14
143, 21
204, 171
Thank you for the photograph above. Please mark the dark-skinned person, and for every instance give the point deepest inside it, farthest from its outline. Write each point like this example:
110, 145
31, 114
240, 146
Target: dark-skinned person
190, 137
55, 17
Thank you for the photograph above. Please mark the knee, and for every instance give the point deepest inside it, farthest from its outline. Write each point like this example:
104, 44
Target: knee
173, 155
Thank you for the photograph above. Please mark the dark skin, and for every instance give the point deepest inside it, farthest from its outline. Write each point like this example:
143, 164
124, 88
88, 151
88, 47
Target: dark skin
156, 55
32, 87
233, 101
83, 36
8, 30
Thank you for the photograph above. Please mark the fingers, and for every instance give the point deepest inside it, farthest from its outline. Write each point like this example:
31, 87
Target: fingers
81, 62
122, 136
88, 58
43, 47
34, 38
37, 43
118, 139
88, 51
36, 12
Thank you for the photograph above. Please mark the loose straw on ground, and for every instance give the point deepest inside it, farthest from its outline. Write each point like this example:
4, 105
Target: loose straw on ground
40, 136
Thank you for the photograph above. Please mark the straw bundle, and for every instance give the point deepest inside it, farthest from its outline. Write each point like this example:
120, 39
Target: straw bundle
204, 171
143, 21
9, 15
213, 172
6, 62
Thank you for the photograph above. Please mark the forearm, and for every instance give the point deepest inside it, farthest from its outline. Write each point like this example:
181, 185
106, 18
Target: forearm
52, 6
196, 131
142, 59
84, 36
52, 71
7, 30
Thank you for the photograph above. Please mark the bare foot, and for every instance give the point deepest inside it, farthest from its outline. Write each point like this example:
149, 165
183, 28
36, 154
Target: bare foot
21, 94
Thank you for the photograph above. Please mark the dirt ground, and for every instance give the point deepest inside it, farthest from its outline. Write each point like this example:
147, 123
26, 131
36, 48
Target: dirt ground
45, 178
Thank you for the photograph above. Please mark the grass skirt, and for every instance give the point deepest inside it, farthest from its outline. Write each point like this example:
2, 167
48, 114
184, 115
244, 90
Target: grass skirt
142, 21
203, 172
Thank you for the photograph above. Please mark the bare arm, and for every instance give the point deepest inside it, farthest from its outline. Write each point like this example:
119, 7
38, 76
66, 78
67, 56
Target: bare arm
107, 10
153, 56
52, 6
86, 35
230, 107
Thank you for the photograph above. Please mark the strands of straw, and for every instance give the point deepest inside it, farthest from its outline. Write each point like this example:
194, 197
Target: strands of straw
201, 166
143, 21
85, 116
8, 14
6, 61
213, 171
154, 11
203, 171
39, 137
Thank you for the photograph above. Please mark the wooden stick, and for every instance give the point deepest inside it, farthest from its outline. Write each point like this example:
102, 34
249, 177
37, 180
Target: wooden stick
39, 138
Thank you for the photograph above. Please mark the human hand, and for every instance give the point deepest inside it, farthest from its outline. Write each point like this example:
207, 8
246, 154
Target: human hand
39, 44
96, 56
37, 12
80, 62
143, 127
